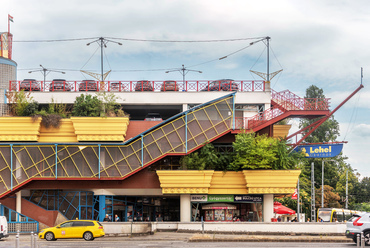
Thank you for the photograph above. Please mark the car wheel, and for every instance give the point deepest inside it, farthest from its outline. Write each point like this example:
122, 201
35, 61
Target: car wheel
88, 236
367, 238
49, 236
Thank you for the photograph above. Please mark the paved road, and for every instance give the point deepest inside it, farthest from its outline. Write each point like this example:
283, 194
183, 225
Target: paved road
167, 244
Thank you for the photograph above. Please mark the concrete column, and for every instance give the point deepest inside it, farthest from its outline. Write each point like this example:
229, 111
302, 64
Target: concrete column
18, 204
268, 207
184, 107
185, 208
101, 207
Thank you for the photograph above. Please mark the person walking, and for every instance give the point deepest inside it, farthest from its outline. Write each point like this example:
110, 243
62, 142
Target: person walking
116, 218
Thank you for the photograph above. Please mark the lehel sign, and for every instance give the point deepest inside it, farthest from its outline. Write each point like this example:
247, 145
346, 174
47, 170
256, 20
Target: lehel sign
320, 151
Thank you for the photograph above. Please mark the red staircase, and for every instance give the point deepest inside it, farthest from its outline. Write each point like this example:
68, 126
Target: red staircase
285, 104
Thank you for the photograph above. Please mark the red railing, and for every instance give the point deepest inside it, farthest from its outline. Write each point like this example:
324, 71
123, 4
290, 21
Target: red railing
129, 86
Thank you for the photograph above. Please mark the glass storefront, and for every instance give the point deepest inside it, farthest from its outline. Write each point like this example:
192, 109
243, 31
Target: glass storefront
227, 208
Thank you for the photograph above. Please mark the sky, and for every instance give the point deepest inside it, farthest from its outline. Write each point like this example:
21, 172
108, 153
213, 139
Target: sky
316, 42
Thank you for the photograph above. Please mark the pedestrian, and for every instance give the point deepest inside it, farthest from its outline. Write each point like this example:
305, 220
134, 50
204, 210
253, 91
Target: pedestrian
159, 218
279, 218
116, 218
106, 218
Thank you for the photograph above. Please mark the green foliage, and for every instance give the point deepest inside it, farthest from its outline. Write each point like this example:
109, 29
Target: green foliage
261, 152
204, 159
87, 105
108, 103
22, 103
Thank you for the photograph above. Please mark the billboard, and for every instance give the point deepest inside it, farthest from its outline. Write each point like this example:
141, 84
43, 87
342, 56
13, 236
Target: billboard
320, 151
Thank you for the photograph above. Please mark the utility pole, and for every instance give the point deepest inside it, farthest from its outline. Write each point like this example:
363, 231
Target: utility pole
347, 189
313, 212
45, 72
183, 72
102, 42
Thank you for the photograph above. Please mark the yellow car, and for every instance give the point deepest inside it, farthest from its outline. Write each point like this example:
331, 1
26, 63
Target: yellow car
87, 229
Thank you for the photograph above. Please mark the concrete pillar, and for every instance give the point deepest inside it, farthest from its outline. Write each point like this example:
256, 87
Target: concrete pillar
18, 204
268, 207
185, 208
184, 107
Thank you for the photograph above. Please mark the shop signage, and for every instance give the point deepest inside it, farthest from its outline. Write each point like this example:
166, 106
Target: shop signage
198, 198
248, 198
320, 151
220, 198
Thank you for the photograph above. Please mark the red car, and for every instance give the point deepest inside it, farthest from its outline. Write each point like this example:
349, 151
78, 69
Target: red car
59, 85
88, 85
144, 85
170, 86
29, 85
222, 84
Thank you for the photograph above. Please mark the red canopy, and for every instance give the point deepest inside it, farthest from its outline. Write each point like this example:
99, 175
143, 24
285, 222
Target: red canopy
280, 209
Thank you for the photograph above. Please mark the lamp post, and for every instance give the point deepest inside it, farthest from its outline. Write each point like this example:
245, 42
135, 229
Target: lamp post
102, 43
45, 72
183, 72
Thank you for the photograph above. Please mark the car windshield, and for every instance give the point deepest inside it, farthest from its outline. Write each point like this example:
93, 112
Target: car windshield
325, 215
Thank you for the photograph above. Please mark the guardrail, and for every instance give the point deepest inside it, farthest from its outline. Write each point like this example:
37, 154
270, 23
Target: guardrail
130, 86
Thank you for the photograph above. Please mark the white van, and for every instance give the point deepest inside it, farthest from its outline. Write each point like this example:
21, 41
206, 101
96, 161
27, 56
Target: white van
3, 227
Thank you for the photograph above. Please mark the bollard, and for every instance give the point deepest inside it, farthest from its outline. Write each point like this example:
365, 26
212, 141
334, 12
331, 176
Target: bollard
202, 226
17, 240
358, 240
31, 239
35, 240
362, 240
131, 227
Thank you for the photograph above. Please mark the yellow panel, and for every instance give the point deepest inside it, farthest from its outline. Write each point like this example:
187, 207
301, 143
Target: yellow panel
19, 129
229, 182
64, 134
281, 130
100, 128
185, 181
271, 181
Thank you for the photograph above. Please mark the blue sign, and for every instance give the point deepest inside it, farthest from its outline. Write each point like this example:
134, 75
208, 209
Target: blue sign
248, 198
320, 151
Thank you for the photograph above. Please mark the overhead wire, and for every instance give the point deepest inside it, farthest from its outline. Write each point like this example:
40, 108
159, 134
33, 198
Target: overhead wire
353, 114
141, 40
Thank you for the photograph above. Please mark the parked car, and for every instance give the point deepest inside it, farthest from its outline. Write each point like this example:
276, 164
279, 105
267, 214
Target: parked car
222, 84
86, 229
170, 86
29, 85
88, 85
143, 85
59, 85
357, 224
115, 86
153, 117
3, 227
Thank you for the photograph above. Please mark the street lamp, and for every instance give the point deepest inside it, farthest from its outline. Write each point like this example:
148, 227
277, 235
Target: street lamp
45, 72
322, 181
183, 72
102, 43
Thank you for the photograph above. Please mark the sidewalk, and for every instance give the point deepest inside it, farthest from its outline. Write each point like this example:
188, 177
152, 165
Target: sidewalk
197, 237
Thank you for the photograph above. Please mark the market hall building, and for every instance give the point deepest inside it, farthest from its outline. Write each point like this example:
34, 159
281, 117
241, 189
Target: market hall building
51, 175
130, 167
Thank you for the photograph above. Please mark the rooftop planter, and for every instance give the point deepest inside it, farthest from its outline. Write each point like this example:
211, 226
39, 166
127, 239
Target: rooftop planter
65, 133
185, 181
100, 128
271, 181
19, 129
